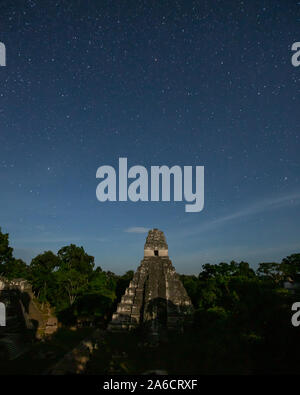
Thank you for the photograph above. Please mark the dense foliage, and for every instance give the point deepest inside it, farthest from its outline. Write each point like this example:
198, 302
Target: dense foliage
68, 281
242, 320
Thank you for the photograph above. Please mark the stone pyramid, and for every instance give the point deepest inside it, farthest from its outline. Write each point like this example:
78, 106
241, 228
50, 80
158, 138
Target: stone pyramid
155, 298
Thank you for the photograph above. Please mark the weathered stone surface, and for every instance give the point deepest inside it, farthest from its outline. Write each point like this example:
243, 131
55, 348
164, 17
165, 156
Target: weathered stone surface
51, 325
156, 244
24, 318
74, 362
155, 297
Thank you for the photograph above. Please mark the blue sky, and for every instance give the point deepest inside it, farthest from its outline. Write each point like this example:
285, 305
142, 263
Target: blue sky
175, 83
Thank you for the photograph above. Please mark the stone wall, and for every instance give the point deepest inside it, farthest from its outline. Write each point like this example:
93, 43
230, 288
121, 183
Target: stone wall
24, 318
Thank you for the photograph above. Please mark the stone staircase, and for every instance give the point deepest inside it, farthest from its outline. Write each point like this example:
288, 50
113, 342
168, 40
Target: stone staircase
24, 318
12, 342
155, 298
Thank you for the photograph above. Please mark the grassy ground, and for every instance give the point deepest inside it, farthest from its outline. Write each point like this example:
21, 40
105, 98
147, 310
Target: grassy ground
198, 351
181, 354
42, 355
123, 354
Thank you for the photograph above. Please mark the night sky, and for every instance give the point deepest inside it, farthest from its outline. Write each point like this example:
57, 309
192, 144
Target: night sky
207, 83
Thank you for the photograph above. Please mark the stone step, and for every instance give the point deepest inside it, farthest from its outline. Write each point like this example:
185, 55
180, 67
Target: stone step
13, 347
155, 293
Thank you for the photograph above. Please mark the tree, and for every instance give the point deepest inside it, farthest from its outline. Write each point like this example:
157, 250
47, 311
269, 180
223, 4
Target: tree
10, 267
122, 283
243, 269
73, 257
102, 284
75, 270
270, 270
42, 269
290, 266
190, 283
72, 282
15, 268
98, 298
5, 251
